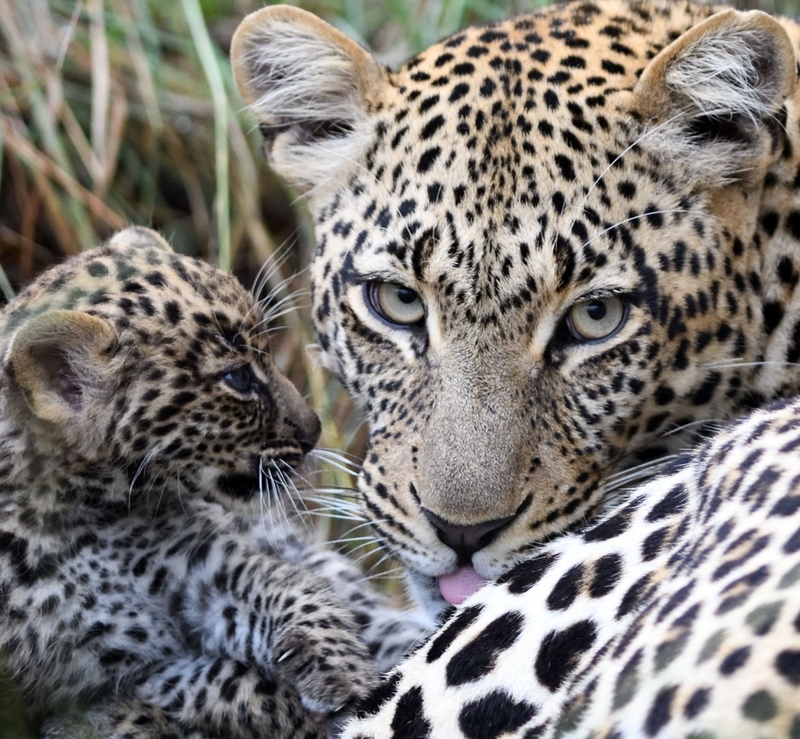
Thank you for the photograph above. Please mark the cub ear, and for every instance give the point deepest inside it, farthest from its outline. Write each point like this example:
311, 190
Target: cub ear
57, 360
139, 237
709, 99
311, 87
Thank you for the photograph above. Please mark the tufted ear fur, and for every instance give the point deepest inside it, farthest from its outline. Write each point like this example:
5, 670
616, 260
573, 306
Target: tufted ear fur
709, 99
310, 86
57, 362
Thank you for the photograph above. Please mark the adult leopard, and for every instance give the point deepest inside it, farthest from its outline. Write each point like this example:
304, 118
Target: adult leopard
543, 245
675, 614
144, 592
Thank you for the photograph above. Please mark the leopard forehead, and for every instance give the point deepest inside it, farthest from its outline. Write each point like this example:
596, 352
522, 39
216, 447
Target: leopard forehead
494, 170
142, 287
642, 154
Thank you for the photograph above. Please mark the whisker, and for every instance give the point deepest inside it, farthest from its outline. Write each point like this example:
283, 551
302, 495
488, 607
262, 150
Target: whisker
635, 218
735, 364
395, 572
180, 497
367, 555
329, 504
714, 423
641, 466
270, 268
338, 454
275, 517
140, 469
349, 540
275, 316
290, 488
637, 474
337, 491
385, 558
365, 542
341, 465
330, 515
270, 311
598, 180
645, 473
160, 497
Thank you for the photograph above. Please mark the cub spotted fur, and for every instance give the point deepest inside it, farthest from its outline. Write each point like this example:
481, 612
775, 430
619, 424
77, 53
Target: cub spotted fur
140, 414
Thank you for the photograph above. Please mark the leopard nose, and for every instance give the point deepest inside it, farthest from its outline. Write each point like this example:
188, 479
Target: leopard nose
307, 433
466, 540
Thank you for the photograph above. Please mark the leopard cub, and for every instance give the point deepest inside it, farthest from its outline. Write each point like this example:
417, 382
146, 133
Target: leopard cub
140, 414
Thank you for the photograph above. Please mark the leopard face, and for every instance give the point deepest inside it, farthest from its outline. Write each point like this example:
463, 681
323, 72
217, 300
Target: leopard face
149, 365
543, 246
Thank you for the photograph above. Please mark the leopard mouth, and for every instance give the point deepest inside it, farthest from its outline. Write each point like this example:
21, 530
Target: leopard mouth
240, 487
283, 453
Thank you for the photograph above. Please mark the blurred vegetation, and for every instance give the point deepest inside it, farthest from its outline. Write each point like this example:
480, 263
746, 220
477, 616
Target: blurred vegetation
124, 111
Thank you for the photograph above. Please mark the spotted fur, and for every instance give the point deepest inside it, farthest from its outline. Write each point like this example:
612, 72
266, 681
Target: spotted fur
140, 413
643, 155
478, 213
675, 614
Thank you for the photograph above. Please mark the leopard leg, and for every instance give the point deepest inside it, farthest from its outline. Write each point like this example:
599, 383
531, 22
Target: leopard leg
115, 719
389, 632
227, 698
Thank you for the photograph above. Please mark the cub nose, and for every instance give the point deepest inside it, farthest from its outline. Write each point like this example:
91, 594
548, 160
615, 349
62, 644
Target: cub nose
307, 431
466, 540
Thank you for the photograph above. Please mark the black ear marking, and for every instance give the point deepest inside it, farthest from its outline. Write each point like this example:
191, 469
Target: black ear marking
711, 129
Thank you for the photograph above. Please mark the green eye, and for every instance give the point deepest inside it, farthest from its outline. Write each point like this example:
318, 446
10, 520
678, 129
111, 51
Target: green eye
599, 318
396, 304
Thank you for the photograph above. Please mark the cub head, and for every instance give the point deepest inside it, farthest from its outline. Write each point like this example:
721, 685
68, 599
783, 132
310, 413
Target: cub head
539, 251
154, 367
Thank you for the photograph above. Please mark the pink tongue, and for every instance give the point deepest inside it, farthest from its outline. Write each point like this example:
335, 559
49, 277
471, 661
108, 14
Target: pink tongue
459, 585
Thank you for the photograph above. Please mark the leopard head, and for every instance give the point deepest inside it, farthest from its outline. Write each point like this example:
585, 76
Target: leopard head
131, 367
539, 251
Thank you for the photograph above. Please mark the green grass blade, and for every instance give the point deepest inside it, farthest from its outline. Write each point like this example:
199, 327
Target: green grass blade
211, 67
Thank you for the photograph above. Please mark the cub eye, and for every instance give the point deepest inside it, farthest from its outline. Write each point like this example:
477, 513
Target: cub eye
396, 304
599, 318
240, 379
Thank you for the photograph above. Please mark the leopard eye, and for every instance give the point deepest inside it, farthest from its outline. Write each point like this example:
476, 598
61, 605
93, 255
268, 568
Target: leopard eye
596, 319
396, 304
240, 379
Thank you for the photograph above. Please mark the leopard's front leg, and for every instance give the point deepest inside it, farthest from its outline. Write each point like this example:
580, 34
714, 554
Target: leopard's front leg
211, 698
261, 611
389, 632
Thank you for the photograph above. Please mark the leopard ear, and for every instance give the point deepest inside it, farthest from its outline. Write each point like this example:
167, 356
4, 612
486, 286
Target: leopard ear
58, 362
141, 238
311, 87
709, 99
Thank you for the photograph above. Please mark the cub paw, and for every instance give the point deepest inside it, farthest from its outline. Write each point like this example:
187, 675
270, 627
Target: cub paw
326, 661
